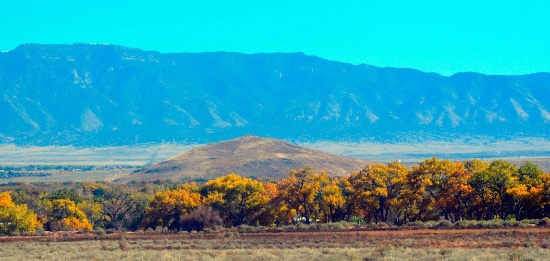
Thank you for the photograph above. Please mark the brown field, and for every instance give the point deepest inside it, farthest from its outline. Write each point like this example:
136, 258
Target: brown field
423, 244
74, 176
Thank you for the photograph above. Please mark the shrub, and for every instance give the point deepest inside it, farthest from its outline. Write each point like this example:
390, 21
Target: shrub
544, 222
382, 224
415, 224
429, 224
464, 224
357, 219
40, 231
511, 223
245, 228
200, 218
100, 231
495, 223
208, 230
332, 226
302, 226
444, 224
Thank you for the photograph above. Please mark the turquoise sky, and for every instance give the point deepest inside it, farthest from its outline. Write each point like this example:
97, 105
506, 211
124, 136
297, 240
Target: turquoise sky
491, 37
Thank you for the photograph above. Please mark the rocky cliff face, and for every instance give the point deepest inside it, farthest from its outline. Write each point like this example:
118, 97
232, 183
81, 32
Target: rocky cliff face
107, 95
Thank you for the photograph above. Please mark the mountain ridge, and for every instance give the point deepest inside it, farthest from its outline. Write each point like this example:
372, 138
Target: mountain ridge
93, 95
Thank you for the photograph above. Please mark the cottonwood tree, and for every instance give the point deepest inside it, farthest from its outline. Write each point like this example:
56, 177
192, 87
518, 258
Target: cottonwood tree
63, 215
443, 179
377, 191
332, 201
491, 186
167, 208
238, 199
302, 191
15, 219
116, 204
528, 191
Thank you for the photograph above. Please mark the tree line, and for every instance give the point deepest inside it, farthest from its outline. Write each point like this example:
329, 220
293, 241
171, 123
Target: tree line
393, 193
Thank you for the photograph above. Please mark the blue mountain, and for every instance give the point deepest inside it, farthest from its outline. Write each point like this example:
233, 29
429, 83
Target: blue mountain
84, 94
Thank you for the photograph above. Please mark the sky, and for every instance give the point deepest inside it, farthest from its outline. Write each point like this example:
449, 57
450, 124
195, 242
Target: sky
445, 37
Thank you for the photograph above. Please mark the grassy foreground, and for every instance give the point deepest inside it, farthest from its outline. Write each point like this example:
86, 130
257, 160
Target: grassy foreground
466, 244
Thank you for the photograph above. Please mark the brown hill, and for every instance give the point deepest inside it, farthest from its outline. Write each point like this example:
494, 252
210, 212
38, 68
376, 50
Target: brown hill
247, 156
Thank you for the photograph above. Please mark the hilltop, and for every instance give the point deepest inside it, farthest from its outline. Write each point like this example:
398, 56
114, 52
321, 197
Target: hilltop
248, 156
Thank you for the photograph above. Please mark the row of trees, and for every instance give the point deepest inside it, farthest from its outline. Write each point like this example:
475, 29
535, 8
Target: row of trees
433, 190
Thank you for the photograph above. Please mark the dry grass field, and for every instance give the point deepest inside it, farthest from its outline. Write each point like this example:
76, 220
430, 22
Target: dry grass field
456, 244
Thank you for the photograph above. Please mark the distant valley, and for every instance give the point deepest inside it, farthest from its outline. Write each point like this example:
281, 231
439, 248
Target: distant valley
117, 163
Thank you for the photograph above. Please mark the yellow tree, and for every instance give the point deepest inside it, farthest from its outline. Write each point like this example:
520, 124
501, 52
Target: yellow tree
378, 191
302, 192
239, 199
527, 192
544, 200
476, 165
92, 209
444, 178
413, 199
15, 219
457, 196
275, 212
167, 208
63, 214
332, 200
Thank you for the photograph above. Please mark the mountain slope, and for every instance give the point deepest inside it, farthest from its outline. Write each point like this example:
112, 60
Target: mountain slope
248, 156
108, 95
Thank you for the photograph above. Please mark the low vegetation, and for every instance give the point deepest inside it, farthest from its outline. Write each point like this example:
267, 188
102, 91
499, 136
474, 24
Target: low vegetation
230, 244
436, 194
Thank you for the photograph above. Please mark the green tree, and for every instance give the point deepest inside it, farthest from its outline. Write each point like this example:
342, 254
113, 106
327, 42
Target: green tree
491, 186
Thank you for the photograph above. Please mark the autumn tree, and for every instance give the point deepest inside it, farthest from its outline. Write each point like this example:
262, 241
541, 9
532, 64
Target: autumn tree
446, 188
238, 199
491, 186
332, 201
377, 191
92, 210
527, 192
167, 208
303, 192
15, 219
413, 196
274, 212
476, 165
457, 196
65, 215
